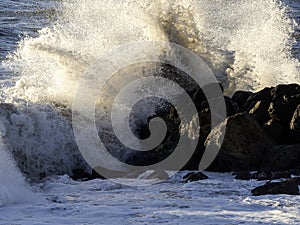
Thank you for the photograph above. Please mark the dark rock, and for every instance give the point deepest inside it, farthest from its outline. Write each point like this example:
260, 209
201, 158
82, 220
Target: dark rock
284, 110
244, 175
258, 103
283, 158
295, 172
232, 107
289, 187
262, 175
297, 180
259, 111
281, 175
244, 147
194, 176
241, 97
278, 131
278, 103
284, 91
79, 174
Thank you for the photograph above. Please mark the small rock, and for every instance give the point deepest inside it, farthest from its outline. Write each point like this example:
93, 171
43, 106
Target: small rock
262, 175
289, 187
194, 176
79, 174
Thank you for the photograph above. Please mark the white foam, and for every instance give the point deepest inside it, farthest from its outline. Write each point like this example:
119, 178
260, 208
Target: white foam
13, 188
40, 139
247, 43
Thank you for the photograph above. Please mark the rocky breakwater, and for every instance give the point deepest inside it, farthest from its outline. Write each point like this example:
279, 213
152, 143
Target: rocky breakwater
262, 134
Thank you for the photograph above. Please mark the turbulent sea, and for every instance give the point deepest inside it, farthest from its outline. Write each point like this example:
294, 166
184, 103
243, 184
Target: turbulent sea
45, 48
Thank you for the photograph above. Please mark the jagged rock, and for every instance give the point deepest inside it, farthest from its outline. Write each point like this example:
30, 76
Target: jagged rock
289, 187
284, 109
283, 91
258, 103
259, 111
194, 176
277, 103
245, 144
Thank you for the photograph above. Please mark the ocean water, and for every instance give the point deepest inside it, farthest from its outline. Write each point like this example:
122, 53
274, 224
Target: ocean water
45, 48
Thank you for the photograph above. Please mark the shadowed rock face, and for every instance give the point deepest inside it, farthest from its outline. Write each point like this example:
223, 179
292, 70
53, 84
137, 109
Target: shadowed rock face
244, 146
257, 124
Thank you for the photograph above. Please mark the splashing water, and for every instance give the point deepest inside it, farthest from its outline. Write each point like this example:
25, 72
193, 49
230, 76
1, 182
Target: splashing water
246, 43
13, 188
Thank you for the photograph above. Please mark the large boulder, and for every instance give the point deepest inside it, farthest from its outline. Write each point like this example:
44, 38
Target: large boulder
244, 146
